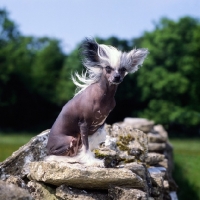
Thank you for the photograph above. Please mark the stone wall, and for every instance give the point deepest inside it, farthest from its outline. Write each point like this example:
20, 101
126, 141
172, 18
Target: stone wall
138, 165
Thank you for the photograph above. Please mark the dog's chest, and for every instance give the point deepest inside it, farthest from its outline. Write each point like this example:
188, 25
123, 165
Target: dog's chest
98, 119
102, 105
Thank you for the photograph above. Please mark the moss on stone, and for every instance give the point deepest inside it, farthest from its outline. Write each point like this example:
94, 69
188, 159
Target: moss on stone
98, 154
129, 160
122, 146
126, 139
110, 159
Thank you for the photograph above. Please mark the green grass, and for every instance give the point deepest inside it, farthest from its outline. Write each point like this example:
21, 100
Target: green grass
11, 142
187, 167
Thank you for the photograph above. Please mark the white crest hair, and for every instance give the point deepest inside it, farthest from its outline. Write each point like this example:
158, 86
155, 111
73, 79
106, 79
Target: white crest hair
96, 56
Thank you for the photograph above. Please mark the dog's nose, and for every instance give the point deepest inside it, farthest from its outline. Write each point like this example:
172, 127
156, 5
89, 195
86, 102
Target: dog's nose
117, 77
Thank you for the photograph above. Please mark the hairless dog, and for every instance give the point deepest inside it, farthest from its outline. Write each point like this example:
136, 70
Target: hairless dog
79, 127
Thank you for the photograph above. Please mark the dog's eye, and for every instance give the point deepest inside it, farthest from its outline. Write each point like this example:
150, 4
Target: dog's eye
108, 69
123, 69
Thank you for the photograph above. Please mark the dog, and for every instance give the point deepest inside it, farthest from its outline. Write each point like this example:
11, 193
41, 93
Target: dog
79, 127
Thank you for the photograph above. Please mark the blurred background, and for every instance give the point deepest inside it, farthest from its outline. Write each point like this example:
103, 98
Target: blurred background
39, 50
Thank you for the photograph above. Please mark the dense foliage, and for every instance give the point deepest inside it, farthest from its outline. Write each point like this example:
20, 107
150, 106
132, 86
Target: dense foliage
169, 82
35, 76
29, 72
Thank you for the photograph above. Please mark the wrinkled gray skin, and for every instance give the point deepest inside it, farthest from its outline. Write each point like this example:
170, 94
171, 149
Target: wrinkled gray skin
78, 114
73, 125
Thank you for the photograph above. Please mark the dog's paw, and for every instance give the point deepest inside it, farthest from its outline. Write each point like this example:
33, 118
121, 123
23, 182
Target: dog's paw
88, 159
95, 163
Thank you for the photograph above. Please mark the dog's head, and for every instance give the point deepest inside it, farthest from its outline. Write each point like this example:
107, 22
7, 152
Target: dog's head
113, 63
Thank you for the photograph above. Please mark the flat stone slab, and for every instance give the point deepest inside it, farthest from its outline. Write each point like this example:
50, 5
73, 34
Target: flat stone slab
156, 137
154, 158
39, 190
118, 193
139, 123
156, 147
76, 175
65, 192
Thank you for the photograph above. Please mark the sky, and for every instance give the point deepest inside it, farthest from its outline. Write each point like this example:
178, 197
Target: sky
73, 20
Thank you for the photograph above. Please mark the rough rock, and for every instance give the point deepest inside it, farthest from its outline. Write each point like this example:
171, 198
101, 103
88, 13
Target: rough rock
138, 123
157, 135
173, 196
160, 129
154, 158
16, 181
111, 157
76, 175
168, 164
157, 178
17, 163
39, 190
65, 192
138, 166
129, 144
119, 193
157, 147
12, 192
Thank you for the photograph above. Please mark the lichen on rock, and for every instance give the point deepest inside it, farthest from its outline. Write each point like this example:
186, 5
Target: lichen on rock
131, 145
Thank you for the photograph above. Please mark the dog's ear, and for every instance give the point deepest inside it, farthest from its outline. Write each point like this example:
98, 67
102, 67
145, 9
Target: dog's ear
89, 50
92, 53
135, 58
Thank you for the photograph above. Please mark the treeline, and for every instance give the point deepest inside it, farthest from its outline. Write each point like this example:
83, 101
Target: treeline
35, 77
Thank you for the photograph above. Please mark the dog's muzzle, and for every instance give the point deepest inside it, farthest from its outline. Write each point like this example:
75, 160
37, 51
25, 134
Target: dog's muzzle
117, 79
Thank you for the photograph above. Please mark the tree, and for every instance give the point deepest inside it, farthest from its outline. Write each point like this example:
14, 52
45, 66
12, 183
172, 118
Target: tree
65, 88
35, 76
46, 69
29, 70
169, 81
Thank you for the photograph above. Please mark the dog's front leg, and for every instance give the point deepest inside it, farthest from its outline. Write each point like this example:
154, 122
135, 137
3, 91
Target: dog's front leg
84, 136
86, 156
